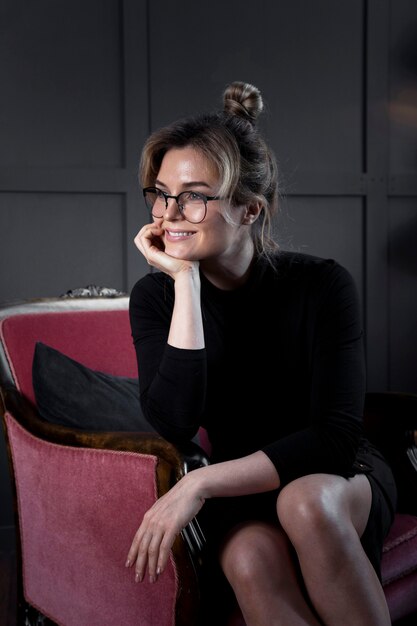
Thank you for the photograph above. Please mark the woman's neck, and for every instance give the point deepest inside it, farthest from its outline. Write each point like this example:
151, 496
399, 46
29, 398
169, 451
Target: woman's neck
228, 274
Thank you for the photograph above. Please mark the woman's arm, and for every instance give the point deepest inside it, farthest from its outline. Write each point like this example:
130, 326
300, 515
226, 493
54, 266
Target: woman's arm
330, 443
167, 329
186, 329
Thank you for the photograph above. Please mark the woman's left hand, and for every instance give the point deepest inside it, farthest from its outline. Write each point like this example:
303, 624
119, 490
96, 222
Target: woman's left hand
161, 524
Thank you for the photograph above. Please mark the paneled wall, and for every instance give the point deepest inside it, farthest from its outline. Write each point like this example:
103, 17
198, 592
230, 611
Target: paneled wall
401, 228
82, 84
73, 117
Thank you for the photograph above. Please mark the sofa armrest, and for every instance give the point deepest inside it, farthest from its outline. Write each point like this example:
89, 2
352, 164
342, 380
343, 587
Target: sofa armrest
172, 462
144, 442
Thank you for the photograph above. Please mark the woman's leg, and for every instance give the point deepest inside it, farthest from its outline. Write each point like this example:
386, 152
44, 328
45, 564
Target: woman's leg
324, 517
260, 565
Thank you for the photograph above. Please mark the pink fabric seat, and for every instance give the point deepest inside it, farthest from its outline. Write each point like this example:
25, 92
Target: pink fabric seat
100, 342
79, 509
80, 496
399, 566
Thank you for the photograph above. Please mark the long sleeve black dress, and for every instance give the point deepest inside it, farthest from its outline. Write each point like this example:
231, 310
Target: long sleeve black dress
282, 371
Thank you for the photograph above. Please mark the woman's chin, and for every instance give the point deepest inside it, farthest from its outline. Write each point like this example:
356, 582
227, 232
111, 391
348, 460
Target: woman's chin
179, 252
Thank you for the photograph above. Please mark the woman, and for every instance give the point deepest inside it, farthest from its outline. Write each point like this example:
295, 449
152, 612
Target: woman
264, 349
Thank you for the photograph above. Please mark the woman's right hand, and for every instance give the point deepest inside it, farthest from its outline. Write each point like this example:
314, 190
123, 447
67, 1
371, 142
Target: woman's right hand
149, 242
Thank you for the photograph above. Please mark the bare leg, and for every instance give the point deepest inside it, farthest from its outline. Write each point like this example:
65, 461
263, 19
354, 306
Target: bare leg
324, 517
258, 561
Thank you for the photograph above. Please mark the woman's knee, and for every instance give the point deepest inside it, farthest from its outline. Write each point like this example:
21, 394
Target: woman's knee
252, 549
311, 507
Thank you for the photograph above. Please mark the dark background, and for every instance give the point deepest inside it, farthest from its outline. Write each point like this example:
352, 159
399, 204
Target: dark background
82, 83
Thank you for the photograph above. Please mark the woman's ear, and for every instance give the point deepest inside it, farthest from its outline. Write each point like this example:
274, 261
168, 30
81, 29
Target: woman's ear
252, 212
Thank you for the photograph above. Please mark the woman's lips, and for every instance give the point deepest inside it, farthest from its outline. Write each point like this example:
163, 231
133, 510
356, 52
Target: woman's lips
178, 235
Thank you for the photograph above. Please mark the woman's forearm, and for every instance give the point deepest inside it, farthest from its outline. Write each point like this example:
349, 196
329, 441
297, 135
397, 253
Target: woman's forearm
251, 474
186, 330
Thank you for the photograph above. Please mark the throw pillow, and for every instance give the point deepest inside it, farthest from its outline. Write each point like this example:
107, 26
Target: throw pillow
71, 394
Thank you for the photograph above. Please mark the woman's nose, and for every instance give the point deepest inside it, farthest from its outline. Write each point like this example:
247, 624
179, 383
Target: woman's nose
172, 210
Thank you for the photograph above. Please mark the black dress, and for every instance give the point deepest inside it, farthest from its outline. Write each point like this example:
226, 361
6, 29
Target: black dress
282, 371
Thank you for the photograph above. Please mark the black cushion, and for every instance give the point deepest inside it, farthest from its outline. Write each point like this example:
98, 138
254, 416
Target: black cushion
71, 394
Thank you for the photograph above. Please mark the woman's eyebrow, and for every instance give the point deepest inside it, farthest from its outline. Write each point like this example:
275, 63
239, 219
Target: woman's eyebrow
194, 183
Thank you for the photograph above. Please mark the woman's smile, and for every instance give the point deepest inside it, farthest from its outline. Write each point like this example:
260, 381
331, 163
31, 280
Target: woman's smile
178, 235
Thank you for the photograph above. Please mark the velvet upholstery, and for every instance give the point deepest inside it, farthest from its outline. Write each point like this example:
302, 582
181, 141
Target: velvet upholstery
98, 341
79, 509
399, 566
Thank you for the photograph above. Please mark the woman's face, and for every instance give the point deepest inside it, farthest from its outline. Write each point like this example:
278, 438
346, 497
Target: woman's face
185, 169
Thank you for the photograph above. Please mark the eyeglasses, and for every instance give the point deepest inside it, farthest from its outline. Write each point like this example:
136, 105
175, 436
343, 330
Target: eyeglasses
191, 204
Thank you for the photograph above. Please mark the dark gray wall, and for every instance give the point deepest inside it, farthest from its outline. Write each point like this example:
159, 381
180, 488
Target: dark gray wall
82, 84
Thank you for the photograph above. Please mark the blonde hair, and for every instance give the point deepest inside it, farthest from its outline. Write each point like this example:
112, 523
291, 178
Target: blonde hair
231, 141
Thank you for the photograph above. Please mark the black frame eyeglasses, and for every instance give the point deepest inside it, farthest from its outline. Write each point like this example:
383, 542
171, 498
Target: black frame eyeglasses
192, 205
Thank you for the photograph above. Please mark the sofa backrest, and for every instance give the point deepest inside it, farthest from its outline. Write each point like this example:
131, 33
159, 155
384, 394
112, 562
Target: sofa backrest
99, 339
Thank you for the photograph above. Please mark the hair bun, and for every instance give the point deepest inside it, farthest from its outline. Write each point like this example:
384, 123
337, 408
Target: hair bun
243, 100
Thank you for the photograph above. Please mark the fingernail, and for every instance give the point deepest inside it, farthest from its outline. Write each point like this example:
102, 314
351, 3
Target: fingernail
138, 577
158, 571
128, 563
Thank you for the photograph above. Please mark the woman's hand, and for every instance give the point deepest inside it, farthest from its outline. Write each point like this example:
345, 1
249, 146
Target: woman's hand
161, 524
254, 473
149, 242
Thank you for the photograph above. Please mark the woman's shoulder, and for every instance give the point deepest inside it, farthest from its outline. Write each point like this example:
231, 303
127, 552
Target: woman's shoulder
324, 282
294, 265
309, 274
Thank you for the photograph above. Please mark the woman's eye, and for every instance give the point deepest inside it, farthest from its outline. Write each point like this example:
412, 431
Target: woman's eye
193, 195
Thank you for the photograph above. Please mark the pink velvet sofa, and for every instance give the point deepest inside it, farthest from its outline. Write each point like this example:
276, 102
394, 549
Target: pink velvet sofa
80, 494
